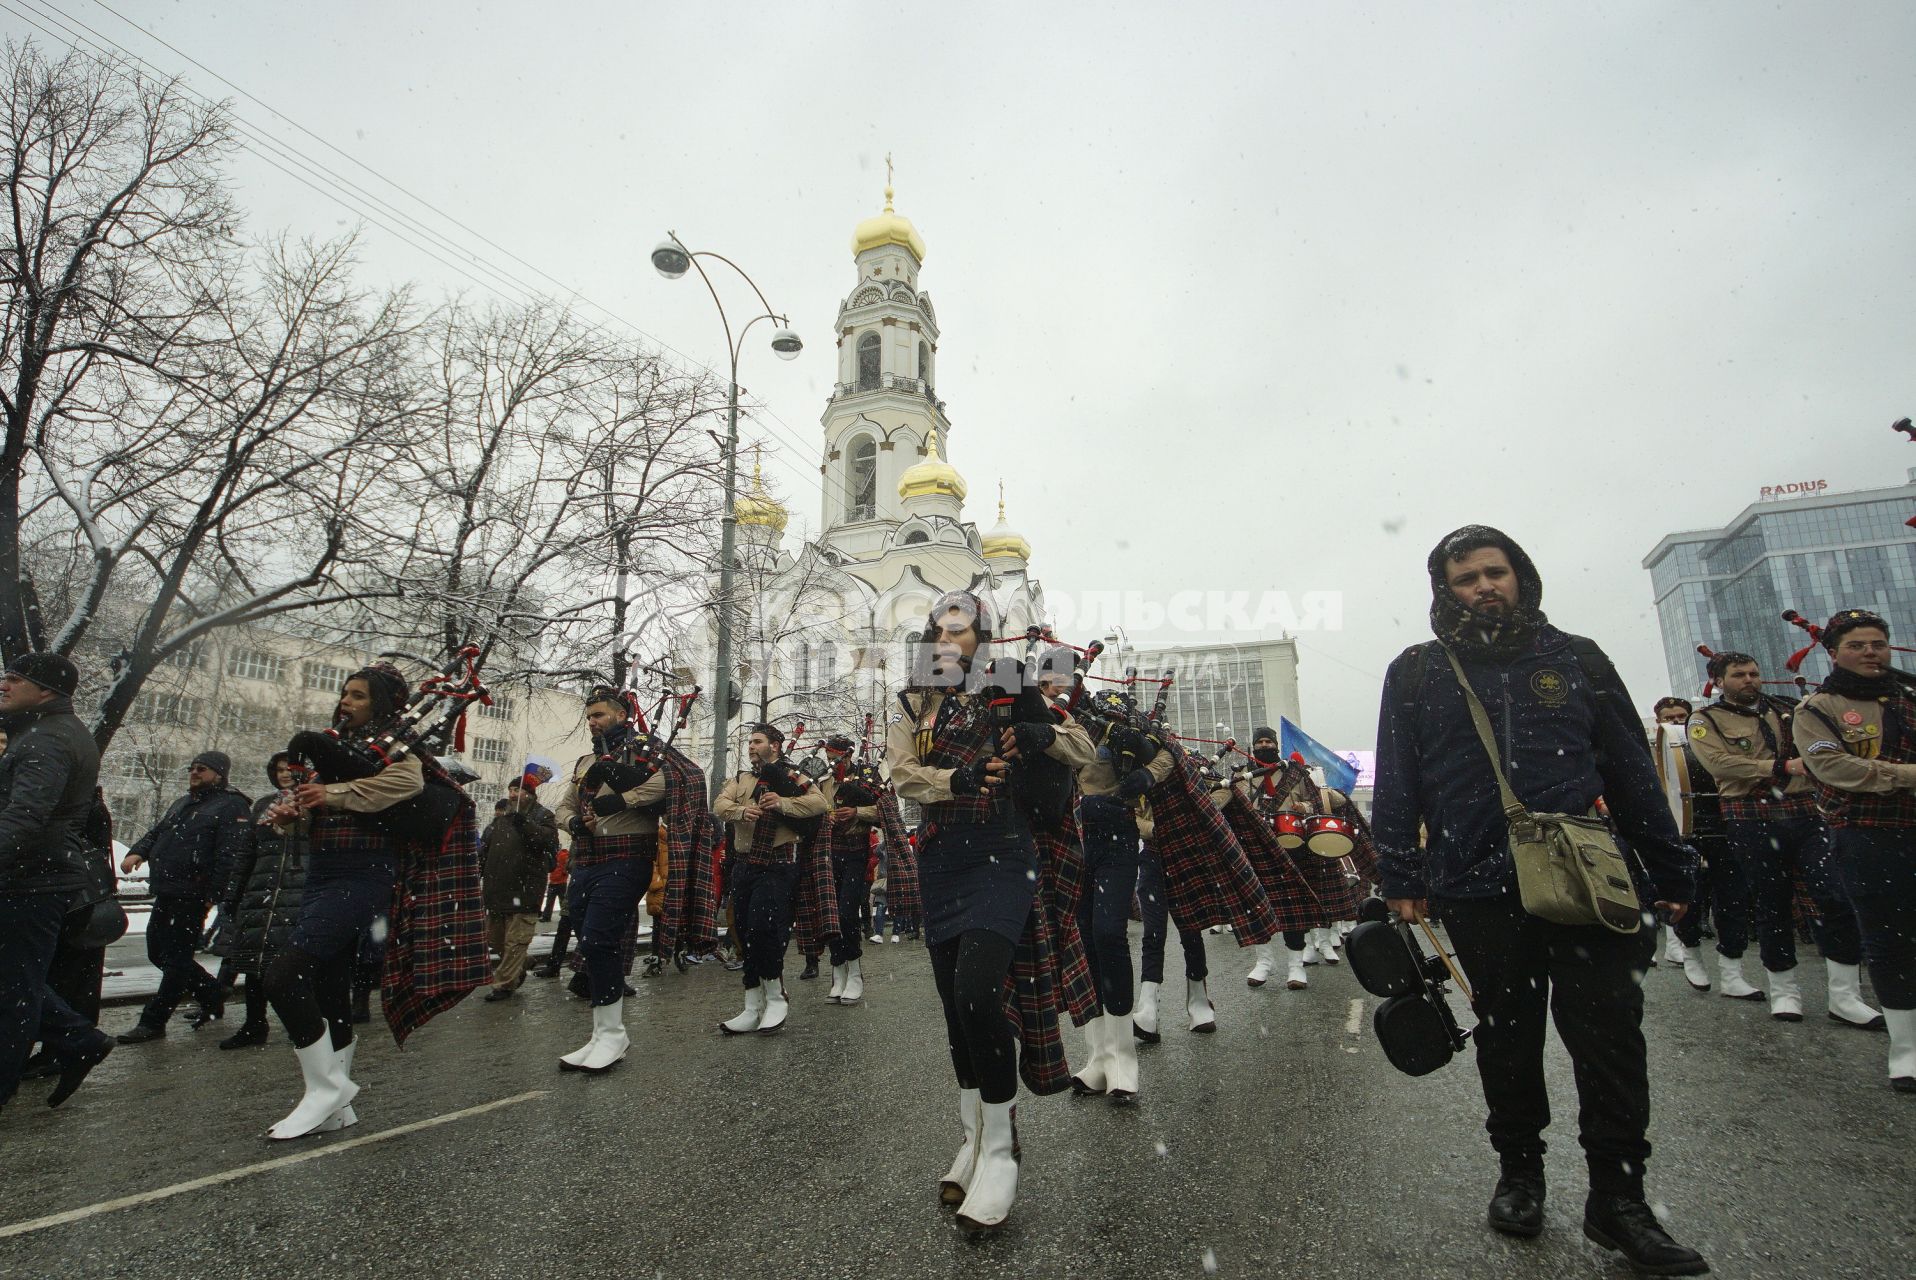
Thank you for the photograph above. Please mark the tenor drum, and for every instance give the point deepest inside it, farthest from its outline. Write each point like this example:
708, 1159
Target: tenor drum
1328, 837
1290, 830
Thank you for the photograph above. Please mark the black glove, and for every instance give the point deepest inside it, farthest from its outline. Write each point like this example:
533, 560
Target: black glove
577, 827
1033, 738
969, 780
607, 805
1135, 784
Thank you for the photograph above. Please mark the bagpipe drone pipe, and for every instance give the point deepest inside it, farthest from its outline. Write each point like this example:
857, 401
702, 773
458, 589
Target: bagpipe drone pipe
1414, 1024
1040, 784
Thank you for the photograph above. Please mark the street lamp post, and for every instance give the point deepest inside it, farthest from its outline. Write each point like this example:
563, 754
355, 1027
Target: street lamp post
672, 260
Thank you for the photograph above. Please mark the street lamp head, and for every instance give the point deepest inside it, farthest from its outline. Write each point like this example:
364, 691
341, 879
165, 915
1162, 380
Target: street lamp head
671, 260
784, 341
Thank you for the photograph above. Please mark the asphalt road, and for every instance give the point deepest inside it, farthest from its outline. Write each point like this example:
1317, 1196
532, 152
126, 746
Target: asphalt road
1283, 1146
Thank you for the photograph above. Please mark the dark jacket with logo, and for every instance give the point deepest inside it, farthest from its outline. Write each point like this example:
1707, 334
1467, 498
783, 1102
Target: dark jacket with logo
47, 780
1564, 738
190, 853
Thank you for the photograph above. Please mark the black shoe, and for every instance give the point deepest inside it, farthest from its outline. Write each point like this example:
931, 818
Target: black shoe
250, 1036
625, 989
580, 986
74, 1070
546, 918
40, 1066
497, 994
546, 971
1625, 1225
1517, 1207
810, 970
362, 1005
209, 1011
142, 1032
1903, 1084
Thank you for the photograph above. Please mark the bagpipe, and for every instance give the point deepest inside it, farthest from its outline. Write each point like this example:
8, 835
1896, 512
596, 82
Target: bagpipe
788, 783
1133, 735
432, 717
1414, 1024
1324, 834
1795, 661
1039, 784
641, 753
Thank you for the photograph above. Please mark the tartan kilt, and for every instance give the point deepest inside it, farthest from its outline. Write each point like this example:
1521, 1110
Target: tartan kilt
815, 909
642, 849
1031, 1006
1293, 898
1208, 880
1061, 854
902, 897
688, 913
1363, 853
1338, 894
436, 940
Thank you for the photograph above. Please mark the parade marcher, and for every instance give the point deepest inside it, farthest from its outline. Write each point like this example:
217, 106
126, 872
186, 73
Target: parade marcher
1776, 837
611, 810
191, 851
1857, 735
1566, 735
979, 872
260, 907
48, 780
397, 840
1154, 908
771, 811
1250, 806
852, 809
1706, 836
521, 846
1286, 786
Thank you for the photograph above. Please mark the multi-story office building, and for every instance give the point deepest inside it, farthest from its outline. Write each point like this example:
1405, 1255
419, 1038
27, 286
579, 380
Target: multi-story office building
1728, 588
1239, 686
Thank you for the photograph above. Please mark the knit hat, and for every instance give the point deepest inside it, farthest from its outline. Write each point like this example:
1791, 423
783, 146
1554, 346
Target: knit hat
1264, 731
218, 761
51, 671
1846, 621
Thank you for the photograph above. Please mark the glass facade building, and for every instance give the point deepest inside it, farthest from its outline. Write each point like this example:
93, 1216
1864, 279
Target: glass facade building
1239, 686
1728, 588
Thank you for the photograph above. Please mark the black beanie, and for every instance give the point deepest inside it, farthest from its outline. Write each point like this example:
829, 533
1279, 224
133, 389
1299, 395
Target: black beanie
1264, 731
51, 671
218, 761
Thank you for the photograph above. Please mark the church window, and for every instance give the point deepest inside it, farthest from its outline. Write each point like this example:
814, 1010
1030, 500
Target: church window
868, 362
861, 480
916, 536
826, 671
924, 364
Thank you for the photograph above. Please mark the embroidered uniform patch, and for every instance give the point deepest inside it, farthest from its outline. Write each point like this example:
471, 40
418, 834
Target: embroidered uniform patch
1550, 687
1822, 745
1852, 717
1698, 731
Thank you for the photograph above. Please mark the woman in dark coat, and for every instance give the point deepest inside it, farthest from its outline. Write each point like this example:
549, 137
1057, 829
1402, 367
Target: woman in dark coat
261, 905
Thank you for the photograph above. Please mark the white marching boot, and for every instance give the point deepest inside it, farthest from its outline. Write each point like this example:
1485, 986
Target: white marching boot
1309, 954
1695, 972
327, 1090
776, 1007
1674, 952
607, 1045
854, 983
1786, 998
838, 984
1091, 1077
1266, 965
1846, 999
754, 1013
1327, 946
1730, 980
1902, 1049
1120, 1058
1144, 1018
1297, 979
994, 1181
345, 1117
1197, 1007
952, 1187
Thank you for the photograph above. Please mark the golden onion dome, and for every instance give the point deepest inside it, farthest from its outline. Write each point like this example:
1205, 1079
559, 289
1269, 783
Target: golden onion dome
1004, 543
932, 476
888, 228
759, 507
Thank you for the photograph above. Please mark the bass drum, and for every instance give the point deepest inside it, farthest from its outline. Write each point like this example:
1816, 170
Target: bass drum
1328, 836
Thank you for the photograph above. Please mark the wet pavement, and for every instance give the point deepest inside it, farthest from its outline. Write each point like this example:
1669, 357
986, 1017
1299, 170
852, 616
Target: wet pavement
1282, 1146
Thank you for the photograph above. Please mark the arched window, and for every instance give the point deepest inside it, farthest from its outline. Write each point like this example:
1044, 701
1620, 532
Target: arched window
868, 362
801, 667
827, 666
924, 364
915, 537
861, 480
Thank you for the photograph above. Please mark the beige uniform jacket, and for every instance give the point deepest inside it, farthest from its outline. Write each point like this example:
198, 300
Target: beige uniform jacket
627, 821
737, 795
1099, 779
867, 813
381, 790
926, 784
1732, 749
1839, 739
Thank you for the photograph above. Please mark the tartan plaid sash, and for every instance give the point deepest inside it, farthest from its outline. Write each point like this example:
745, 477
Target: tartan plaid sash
902, 897
960, 734
688, 913
1208, 880
436, 943
1031, 1005
1292, 898
1061, 855
815, 913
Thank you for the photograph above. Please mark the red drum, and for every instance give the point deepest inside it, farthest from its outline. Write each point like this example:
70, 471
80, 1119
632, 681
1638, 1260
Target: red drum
1290, 830
1328, 837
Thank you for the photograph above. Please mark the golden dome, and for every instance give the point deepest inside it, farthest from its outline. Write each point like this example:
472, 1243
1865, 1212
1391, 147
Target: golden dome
759, 507
888, 228
1002, 543
932, 476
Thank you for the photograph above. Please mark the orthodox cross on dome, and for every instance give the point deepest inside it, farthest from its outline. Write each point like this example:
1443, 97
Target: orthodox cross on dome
888, 184
1001, 501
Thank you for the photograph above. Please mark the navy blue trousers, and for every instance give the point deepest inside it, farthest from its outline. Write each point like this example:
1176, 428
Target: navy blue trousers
601, 900
1155, 908
1763, 856
848, 878
1104, 913
1878, 868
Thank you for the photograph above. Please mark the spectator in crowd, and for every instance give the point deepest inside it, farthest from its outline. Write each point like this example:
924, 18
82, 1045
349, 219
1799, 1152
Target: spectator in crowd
520, 848
261, 901
555, 886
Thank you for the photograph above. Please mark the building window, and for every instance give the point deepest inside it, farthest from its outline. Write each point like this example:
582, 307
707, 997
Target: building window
484, 796
915, 537
191, 658
318, 675
165, 708
825, 672
868, 362
254, 664
924, 364
237, 717
861, 480
501, 708
801, 667
489, 750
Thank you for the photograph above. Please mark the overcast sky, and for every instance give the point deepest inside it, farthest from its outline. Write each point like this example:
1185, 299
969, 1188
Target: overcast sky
1233, 297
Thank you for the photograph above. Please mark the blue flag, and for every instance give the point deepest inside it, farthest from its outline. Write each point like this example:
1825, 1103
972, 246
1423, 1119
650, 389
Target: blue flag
1339, 773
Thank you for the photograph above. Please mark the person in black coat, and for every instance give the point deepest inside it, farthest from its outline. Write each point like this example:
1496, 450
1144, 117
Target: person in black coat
192, 850
261, 902
47, 781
